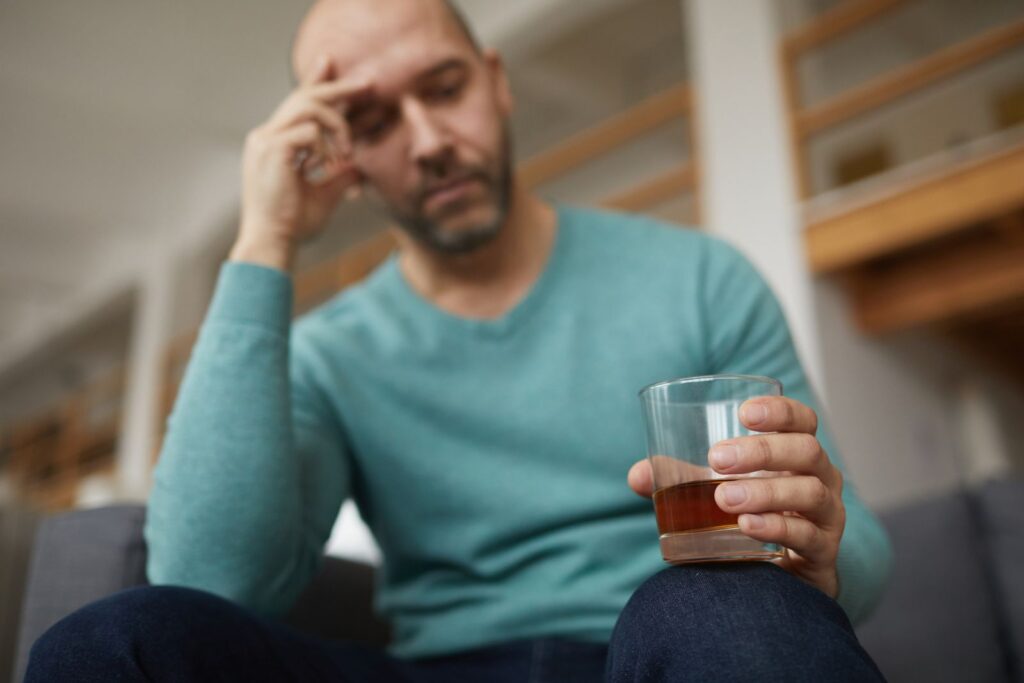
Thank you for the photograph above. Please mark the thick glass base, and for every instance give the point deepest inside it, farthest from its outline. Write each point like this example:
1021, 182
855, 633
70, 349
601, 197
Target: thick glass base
723, 544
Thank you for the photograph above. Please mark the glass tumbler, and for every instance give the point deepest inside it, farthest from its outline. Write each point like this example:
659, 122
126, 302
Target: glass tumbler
684, 418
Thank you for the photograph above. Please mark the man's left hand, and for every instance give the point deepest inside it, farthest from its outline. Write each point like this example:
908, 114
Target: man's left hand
800, 507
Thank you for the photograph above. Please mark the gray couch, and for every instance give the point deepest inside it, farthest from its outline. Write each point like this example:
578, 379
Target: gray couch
954, 610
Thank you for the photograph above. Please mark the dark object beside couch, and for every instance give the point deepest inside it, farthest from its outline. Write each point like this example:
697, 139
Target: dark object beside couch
954, 610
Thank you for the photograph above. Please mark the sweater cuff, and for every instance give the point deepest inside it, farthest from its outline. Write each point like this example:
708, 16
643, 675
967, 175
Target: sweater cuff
850, 570
252, 294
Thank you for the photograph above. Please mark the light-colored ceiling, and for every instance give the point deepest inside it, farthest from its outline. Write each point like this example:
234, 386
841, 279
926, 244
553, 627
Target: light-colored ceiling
114, 116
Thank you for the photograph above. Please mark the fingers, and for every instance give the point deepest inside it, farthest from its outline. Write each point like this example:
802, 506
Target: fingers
302, 108
795, 533
324, 85
317, 100
322, 71
299, 136
664, 471
782, 452
293, 146
804, 494
778, 414
641, 478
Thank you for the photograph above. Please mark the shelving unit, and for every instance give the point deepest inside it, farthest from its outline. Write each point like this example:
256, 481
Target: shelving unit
936, 244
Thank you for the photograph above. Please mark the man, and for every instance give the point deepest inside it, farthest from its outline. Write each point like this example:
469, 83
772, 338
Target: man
477, 397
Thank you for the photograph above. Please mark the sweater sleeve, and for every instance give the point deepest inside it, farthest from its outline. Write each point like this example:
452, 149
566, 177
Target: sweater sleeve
253, 469
748, 334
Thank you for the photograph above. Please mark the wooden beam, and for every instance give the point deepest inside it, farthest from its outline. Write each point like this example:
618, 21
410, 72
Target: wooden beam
940, 286
836, 22
659, 189
793, 101
994, 340
653, 112
975, 191
908, 79
356, 263
313, 283
345, 269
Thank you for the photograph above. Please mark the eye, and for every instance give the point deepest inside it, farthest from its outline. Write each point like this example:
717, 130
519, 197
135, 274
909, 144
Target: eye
371, 124
445, 92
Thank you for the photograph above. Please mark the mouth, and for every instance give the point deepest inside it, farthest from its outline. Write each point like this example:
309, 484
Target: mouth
450, 192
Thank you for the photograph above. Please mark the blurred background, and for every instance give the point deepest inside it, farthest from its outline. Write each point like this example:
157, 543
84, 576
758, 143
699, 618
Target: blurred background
867, 155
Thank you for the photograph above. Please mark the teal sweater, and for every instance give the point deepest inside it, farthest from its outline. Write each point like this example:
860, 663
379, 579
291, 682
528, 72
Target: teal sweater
489, 458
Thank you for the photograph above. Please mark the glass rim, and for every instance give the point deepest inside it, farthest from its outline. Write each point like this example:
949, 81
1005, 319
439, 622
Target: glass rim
708, 378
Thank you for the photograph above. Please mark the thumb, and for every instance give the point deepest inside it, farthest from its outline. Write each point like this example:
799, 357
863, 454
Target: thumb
641, 479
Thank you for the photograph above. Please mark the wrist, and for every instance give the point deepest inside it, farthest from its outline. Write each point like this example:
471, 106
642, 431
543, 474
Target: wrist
263, 251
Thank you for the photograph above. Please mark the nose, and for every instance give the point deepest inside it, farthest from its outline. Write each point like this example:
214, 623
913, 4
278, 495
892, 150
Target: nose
430, 145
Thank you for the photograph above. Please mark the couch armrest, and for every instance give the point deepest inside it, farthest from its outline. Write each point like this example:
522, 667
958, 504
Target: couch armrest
82, 556
1002, 506
77, 558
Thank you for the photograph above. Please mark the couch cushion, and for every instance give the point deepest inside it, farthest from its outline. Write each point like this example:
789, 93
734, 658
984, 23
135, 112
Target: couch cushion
936, 621
338, 604
77, 558
1002, 503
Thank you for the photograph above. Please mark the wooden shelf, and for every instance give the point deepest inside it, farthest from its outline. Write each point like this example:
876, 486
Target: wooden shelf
975, 275
918, 212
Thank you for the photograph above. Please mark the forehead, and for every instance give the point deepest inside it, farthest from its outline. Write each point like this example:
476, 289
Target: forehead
389, 41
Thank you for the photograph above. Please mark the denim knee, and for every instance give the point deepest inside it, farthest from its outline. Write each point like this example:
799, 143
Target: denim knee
110, 634
734, 622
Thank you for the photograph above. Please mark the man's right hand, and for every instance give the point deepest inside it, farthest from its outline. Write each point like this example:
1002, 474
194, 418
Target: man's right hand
295, 168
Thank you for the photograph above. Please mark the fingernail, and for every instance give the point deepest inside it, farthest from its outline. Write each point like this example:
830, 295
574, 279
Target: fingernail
735, 493
754, 413
754, 521
723, 457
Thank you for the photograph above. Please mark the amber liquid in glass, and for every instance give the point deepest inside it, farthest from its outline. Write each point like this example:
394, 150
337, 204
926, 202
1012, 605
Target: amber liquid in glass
684, 508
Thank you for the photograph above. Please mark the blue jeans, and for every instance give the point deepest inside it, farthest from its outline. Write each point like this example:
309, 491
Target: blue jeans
738, 622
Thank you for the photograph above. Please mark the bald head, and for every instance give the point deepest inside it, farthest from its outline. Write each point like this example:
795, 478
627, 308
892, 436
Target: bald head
339, 17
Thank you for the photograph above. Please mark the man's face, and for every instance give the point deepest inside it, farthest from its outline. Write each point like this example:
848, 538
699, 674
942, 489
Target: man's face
431, 138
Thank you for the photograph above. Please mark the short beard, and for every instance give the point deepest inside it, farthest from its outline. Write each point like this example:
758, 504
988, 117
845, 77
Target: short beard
434, 237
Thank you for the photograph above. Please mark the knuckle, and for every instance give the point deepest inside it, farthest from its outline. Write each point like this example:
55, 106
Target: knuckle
789, 411
809, 448
307, 129
802, 534
809, 443
790, 530
763, 454
815, 537
819, 493
778, 526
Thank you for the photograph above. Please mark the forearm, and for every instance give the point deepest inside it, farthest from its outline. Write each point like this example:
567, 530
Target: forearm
225, 511
258, 245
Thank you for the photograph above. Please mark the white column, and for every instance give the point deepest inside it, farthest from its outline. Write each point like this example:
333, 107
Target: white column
748, 193
150, 330
985, 447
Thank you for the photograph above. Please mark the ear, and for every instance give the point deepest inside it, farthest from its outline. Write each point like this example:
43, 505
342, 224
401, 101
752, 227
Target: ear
495, 66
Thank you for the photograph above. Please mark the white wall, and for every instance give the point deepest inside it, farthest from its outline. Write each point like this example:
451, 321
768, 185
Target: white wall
747, 181
893, 406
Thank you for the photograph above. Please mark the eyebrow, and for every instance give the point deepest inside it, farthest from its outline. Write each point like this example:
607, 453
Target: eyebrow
447, 65
360, 108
